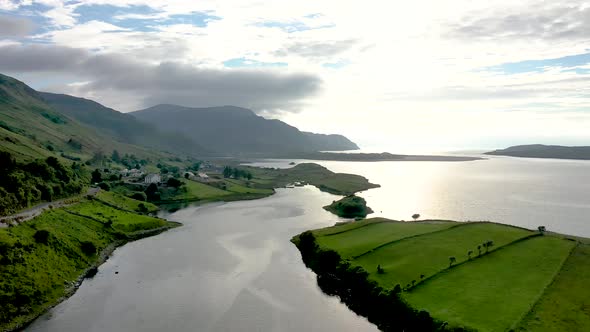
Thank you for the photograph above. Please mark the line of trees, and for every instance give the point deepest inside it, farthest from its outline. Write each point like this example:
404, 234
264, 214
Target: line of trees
24, 184
236, 173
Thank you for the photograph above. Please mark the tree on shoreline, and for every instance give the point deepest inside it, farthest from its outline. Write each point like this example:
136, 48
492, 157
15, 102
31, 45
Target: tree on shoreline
415, 216
452, 260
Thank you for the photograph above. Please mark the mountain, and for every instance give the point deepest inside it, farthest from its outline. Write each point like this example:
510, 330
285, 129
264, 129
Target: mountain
30, 128
124, 127
236, 130
545, 151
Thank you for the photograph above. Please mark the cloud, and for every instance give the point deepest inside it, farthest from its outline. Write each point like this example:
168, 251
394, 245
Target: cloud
317, 49
15, 26
144, 84
557, 22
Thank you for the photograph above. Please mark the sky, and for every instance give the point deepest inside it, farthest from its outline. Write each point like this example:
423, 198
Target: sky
398, 76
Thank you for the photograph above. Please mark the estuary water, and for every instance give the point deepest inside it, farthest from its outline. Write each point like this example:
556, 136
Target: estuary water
231, 266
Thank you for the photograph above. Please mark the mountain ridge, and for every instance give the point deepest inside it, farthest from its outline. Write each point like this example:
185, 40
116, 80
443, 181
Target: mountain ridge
239, 130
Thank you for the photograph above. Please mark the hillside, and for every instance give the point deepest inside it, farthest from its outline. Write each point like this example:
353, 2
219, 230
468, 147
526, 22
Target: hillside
124, 127
30, 129
235, 130
545, 151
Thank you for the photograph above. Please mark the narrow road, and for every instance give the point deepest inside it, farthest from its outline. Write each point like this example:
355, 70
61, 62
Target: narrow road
36, 210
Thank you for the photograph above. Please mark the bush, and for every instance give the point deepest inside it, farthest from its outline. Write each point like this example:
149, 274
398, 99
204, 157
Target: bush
172, 182
139, 196
104, 186
41, 236
88, 248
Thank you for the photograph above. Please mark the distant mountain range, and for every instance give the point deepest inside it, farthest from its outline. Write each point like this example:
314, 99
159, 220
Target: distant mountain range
545, 151
239, 131
123, 127
38, 124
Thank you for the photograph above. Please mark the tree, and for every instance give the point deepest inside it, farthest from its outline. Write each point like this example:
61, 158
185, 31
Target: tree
41, 236
172, 182
380, 269
96, 176
115, 156
186, 175
415, 216
227, 172
469, 253
421, 277
413, 283
479, 250
488, 244
88, 248
542, 229
452, 260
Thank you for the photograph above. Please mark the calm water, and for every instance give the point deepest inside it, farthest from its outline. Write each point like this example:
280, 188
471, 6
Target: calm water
231, 266
517, 191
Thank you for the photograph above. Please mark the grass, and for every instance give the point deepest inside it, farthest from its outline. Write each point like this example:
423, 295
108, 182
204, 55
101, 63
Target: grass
526, 282
241, 187
316, 175
372, 233
565, 305
37, 274
492, 293
428, 254
121, 220
125, 203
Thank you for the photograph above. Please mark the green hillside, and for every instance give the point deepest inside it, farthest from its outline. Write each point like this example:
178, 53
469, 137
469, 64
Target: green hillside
124, 127
30, 129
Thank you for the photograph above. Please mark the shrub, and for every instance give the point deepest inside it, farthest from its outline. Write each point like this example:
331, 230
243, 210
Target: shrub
139, 196
41, 236
104, 186
88, 248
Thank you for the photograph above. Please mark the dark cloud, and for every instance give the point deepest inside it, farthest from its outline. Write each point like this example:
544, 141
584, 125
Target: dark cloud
317, 49
552, 23
167, 82
32, 58
15, 26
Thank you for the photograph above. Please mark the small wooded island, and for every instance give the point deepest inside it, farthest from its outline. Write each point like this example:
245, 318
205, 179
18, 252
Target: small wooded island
438, 275
350, 207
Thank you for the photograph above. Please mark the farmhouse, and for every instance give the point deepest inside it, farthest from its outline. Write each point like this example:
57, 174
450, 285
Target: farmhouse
152, 178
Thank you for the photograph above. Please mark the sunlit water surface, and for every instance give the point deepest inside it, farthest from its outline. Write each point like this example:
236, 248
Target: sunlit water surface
231, 266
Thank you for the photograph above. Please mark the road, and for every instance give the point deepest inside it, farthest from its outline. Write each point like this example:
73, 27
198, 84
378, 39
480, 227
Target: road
36, 210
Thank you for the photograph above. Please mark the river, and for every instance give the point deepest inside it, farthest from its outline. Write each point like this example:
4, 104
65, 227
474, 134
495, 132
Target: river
231, 266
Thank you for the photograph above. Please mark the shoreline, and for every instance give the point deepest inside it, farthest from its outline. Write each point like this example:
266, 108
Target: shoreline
88, 273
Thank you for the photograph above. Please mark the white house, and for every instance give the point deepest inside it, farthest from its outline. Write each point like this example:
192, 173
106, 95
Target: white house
203, 176
152, 178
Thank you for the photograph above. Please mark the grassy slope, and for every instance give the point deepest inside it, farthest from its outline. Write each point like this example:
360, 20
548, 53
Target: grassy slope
429, 254
373, 234
125, 203
492, 293
34, 276
565, 305
30, 125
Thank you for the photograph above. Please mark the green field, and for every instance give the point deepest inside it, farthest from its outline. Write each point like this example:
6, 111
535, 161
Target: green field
125, 203
121, 220
494, 292
428, 254
526, 281
369, 234
565, 305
